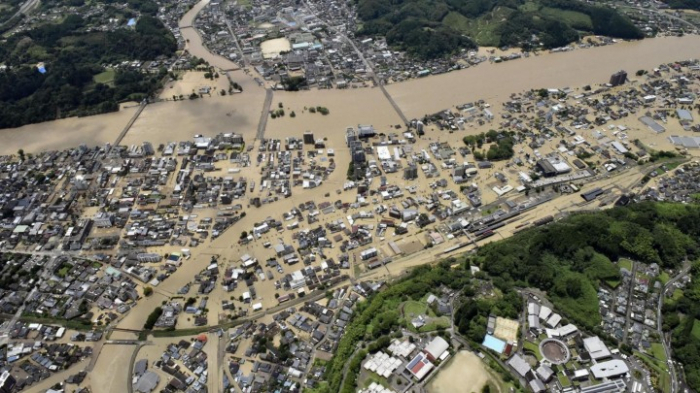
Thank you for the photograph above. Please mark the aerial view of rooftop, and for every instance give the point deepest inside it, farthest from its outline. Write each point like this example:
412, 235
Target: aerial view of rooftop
366, 196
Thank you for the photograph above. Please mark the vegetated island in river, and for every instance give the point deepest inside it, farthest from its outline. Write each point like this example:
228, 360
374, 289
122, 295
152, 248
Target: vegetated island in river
569, 260
431, 29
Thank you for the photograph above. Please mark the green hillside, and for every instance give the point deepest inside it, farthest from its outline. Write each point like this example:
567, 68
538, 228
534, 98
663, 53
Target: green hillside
75, 82
436, 28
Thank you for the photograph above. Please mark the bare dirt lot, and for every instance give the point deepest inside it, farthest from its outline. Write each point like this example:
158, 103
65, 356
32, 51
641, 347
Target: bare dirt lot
464, 374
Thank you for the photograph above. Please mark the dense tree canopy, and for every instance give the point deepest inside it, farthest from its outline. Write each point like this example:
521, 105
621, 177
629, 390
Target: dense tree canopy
424, 28
684, 4
72, 58
568, 259
682, 318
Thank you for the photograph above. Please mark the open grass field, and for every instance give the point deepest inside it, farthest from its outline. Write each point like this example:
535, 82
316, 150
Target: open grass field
657, 350
412, 309
664, 277
435, 324
612, 283
626, 263
106, 78
534, 348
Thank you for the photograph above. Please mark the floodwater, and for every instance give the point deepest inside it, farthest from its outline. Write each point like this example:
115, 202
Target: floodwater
240, 113
181, 120
272, 48
109, 374
65, 133
465, 373
496, 82
195, 46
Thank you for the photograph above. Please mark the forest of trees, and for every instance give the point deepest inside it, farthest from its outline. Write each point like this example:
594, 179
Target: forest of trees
8, 9
501, 148
569, 258
682, 319
606, 21
684, 4
417, 25
419, 37
72, 58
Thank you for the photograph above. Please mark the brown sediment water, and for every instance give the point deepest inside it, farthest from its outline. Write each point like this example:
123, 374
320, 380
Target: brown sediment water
496, 82
65, 133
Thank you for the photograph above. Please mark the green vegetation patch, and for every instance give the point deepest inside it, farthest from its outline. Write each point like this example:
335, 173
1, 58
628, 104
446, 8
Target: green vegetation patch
106, 78
534, 348
657, 350
577, 20
626, 263
675, 297
484, 30
683, 4
431, 29
412, 309
612, 283
696, 329
62, 272
563, 380
369, 377
75, 324
435, 324
660, 376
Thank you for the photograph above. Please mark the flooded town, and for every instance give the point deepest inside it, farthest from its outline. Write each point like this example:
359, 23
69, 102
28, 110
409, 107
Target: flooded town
227, 234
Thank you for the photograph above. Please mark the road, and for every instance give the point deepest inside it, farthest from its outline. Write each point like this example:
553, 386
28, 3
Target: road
667, 348
238, 45
128, 125
25, 8
664, 14
262, 124
5, 331
368, 66
629, 303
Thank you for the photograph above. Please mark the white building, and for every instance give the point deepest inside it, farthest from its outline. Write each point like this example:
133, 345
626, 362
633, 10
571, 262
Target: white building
596, 348
609, 369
